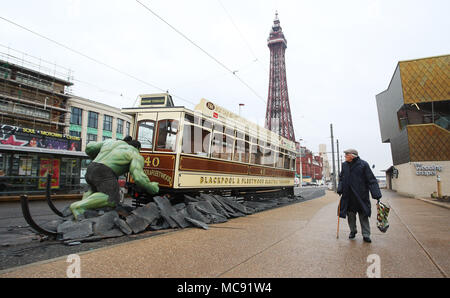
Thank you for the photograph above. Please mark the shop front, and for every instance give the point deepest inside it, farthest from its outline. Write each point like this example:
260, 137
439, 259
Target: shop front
28, 156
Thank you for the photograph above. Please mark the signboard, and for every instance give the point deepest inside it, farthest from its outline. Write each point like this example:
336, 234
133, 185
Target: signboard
47, 166
147, 101
427, 170
27, 137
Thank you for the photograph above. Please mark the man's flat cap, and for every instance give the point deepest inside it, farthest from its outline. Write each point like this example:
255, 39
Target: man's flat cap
351, 151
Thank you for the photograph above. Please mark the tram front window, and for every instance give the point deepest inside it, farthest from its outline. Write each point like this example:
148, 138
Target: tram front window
167, 135
145, 134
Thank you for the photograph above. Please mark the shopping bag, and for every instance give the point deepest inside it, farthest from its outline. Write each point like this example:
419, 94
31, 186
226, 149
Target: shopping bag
382, 216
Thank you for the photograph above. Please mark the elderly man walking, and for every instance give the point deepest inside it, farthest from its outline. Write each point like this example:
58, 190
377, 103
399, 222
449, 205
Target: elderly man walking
355, 181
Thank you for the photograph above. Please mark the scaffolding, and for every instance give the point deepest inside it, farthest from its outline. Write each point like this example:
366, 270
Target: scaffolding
33, 92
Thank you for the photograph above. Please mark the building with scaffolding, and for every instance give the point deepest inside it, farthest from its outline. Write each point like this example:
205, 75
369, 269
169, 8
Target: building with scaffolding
34, 121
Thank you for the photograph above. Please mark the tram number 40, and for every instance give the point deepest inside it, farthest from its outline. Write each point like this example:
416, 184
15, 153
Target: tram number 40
152, 161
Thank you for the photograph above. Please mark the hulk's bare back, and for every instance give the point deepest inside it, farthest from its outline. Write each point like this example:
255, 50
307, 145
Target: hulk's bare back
117, 155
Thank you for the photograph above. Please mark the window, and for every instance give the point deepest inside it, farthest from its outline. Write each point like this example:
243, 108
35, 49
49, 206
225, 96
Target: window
227, 147
127, 128
216, 147
107, 122
119, 126
437, 112
91, 138
167, 135
75, 133
145, 134
241, 151
93, 119
267, 156
286, 162
104, 138
196, 140
75, 117
280, 161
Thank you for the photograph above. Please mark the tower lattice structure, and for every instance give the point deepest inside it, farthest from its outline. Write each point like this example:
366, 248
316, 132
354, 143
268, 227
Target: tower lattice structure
278, 112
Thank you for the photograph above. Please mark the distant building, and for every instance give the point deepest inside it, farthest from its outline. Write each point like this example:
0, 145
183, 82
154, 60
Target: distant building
326, 163
309, 166
414, 117
33, 143
94, 121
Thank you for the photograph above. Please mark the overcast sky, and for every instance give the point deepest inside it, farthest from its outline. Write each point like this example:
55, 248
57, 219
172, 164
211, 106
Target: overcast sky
340, 55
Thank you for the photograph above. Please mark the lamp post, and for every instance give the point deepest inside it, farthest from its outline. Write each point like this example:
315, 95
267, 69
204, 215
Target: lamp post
240, 105
301, 165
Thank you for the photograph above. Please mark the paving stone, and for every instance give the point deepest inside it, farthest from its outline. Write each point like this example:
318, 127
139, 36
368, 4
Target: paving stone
159, 224
197, 223
217, 205
90, 213
190, 199
235, 205
166, 210
228, 208
195, 214
53, 225
149, 212
205, 205
104, 223
123, 226
136, 223
66, 211
179, 206
180, 220
75, 230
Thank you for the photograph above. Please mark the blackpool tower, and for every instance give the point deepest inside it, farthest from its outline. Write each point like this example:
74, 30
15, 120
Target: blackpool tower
278, 112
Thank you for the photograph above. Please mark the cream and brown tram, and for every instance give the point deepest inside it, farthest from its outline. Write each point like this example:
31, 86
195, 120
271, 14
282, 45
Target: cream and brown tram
209, 149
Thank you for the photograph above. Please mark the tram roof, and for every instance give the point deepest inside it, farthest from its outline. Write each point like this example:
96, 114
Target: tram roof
217, 113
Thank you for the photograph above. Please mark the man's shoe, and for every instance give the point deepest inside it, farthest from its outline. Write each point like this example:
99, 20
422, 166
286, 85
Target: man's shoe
367, 239
352, 235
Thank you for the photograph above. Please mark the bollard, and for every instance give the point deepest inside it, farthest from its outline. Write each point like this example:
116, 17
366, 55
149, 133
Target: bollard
439, 188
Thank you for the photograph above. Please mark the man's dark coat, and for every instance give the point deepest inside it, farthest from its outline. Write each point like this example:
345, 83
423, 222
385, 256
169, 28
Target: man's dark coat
357, 176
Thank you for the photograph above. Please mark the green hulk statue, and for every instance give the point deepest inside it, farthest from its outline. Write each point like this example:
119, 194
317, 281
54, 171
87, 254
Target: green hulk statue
110, 159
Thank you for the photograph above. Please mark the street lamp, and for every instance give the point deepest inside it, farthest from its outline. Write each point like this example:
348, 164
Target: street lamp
240, 105
301, 166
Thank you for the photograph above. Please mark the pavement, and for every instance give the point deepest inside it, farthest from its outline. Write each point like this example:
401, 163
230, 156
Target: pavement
298, 240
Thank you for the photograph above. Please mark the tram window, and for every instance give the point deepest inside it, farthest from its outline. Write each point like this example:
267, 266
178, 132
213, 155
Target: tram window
280, 161
229, 131
293, 163
264, 156
195, 140
145, 134
241, 151
258, 157
216, 148
286, 162
238, 150
227, 147
207, 124
189, 118
167, 135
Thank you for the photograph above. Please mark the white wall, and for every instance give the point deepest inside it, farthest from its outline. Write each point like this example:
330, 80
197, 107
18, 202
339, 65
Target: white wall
409, 183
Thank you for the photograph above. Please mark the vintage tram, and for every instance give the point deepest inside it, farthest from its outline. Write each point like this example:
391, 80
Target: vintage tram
208, 149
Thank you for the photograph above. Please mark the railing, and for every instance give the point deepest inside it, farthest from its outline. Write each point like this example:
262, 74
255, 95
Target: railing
17, 185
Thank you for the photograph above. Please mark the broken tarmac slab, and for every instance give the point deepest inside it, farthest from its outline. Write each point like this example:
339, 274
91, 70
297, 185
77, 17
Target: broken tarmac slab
160, 214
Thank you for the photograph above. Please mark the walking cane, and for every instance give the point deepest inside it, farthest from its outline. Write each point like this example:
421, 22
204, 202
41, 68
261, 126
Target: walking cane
339, 213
